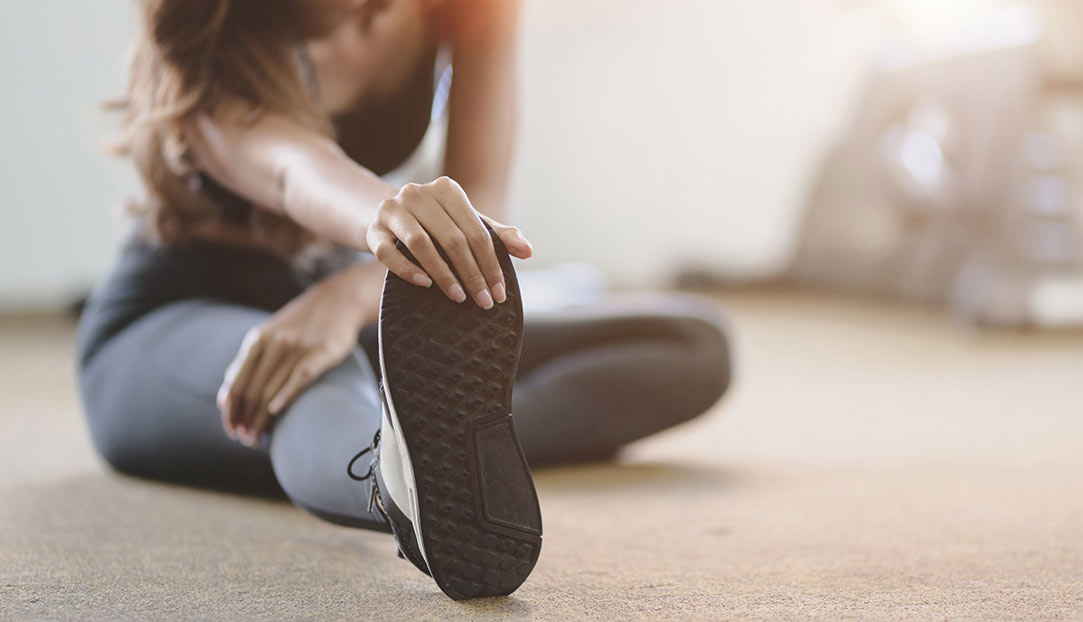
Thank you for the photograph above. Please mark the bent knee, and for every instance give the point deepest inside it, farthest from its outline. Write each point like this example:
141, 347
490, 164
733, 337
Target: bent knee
117, 451
705, 334
109, 438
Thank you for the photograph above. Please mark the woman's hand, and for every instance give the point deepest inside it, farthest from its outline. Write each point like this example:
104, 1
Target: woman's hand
439, 213
283, 356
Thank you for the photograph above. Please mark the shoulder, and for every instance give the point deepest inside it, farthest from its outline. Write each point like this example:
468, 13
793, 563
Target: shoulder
463, 20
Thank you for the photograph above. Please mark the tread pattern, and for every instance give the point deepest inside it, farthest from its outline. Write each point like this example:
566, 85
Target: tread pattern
450, 369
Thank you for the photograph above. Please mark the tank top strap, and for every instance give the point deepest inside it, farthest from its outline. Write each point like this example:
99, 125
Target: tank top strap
308, 69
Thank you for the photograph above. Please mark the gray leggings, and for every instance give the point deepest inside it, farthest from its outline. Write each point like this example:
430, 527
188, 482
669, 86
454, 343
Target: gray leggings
589, 382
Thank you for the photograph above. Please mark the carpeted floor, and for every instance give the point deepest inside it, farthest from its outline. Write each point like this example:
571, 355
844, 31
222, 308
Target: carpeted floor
871, 463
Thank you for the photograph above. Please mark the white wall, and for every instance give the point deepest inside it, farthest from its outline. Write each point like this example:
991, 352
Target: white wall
60, 196
663, 133
653, 133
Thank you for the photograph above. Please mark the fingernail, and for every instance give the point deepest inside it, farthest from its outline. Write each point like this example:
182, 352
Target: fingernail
421, 279
485, 300
274, 407
498, 292
456, 292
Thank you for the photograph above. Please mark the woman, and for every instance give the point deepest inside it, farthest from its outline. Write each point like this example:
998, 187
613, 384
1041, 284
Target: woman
235, 344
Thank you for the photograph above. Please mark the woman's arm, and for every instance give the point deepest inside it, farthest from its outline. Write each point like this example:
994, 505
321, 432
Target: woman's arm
483, 104
280, 165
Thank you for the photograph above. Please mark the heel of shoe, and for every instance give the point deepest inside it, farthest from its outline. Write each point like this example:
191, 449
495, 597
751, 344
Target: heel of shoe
508, 498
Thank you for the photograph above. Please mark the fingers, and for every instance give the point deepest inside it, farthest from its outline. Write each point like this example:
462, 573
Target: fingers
249, 381
265, 377
382, 245
301, 376
292, 369
274, 386
273, 352
275, 366
479, 249
230, 395
441, 227
439, 214
512, 237
417, 239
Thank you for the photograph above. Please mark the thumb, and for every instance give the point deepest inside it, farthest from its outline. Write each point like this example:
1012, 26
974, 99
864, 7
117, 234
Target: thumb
512, 237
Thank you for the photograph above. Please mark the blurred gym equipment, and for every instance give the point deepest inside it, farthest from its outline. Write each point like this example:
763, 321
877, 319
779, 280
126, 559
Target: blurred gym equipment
959, 179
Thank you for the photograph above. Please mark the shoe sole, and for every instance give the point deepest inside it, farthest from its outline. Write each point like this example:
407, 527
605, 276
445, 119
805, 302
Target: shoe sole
448, 370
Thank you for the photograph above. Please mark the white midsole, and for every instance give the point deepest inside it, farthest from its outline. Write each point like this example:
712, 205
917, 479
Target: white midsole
396, 468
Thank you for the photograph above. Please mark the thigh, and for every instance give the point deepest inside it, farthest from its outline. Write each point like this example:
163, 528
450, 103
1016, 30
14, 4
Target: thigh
149, 395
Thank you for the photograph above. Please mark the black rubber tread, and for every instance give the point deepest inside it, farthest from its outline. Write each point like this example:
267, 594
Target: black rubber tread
449, 371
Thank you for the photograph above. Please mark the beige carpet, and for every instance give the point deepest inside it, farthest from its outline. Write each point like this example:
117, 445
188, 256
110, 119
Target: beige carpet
871, 463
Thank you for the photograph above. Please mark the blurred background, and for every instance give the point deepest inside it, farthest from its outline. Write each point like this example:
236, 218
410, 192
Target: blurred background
925, 149
884, 196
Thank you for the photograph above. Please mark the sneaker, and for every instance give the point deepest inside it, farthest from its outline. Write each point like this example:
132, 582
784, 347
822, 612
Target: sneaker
450, 474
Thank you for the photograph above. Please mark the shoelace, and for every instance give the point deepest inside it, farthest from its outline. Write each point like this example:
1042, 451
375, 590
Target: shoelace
372, 464
371, 449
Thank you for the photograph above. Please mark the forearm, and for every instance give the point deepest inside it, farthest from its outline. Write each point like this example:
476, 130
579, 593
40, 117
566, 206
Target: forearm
353, 291
327, 193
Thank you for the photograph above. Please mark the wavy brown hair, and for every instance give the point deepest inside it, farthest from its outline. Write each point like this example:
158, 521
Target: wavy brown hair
188, 57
